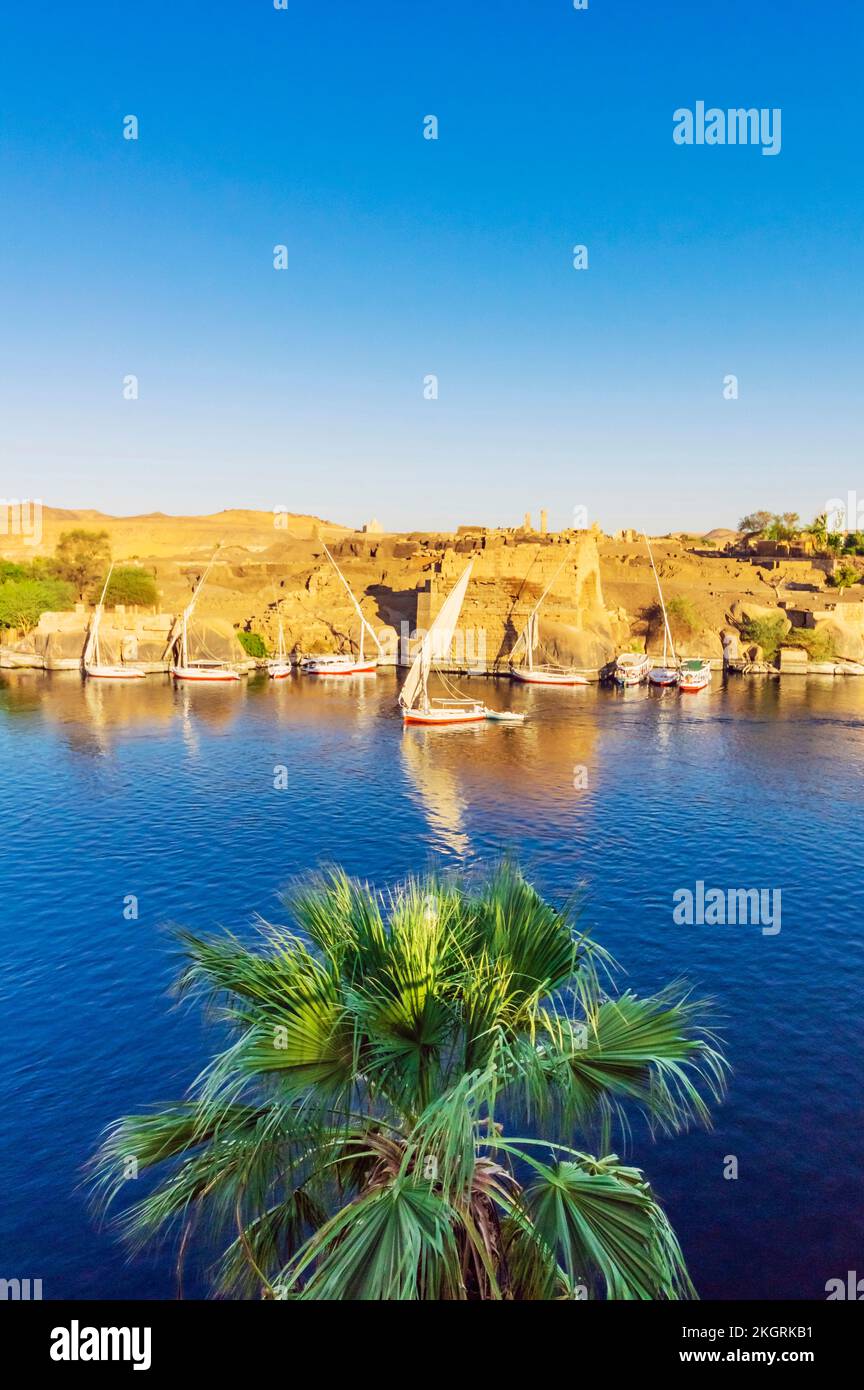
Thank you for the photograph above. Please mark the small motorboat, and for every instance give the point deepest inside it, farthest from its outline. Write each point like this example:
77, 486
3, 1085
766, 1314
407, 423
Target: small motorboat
695, 675
631, 668
504, 716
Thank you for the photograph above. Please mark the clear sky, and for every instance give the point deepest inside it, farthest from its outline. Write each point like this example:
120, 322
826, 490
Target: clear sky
600, 388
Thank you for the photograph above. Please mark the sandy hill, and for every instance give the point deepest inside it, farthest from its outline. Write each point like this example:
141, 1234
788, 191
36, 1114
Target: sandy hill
155, 535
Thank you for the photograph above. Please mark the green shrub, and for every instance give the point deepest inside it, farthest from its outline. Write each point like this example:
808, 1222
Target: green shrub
129, 585
23, 601
684, 617
818, 644
845, 576
768, 633
253, 644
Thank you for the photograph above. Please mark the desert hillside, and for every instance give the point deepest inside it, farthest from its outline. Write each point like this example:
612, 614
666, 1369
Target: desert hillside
602, 593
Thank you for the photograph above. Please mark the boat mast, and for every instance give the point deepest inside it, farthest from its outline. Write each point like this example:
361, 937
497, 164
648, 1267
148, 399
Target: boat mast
188, 610
365, 626
530, 630
93, 643
667, 633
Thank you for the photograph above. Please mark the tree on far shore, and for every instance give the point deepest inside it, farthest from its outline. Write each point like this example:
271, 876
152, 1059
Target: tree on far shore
755, 522
128, 585
80, 557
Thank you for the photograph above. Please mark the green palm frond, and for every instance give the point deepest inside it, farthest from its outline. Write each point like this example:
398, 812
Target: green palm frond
600, 1219
396, 1242
348, 1141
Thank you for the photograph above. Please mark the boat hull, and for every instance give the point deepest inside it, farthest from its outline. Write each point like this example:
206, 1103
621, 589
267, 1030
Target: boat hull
279, 673
663, 676
334, 668
472, 714
526, 677
191, 673
113, 673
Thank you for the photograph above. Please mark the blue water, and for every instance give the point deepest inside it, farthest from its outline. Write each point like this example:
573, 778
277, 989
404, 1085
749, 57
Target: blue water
169, 795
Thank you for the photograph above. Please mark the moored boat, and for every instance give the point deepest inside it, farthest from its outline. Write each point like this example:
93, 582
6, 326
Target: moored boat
526, 670
631, 668
695, 675
414, 700
548, 675
667, 673
338, 664
184, 669
94, 666
279, 666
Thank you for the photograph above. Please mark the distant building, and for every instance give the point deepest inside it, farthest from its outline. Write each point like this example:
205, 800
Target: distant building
373, 528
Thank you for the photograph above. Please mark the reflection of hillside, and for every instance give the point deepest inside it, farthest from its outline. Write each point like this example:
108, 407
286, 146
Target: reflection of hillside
348, 701
87, 712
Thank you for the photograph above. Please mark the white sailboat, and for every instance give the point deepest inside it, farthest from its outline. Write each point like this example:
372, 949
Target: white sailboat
530, 674
345, 665
279, 666
666, 674
94, 666
414, 699
185, 670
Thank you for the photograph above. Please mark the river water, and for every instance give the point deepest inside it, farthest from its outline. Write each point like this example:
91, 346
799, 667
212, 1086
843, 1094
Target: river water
202, 803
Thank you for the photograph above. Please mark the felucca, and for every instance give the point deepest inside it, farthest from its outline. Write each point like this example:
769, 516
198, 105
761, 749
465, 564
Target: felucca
184, 669
94, 666
345, 665
665, 674
526, 671
279, 666
414, 700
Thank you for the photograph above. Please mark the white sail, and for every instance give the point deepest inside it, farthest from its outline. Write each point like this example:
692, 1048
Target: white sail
364, 625
436, 644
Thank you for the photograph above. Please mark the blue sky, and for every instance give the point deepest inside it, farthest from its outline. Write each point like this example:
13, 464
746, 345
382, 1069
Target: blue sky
303, 388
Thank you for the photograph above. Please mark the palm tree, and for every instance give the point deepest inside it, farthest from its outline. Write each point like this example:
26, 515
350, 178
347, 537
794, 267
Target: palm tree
396, 1114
